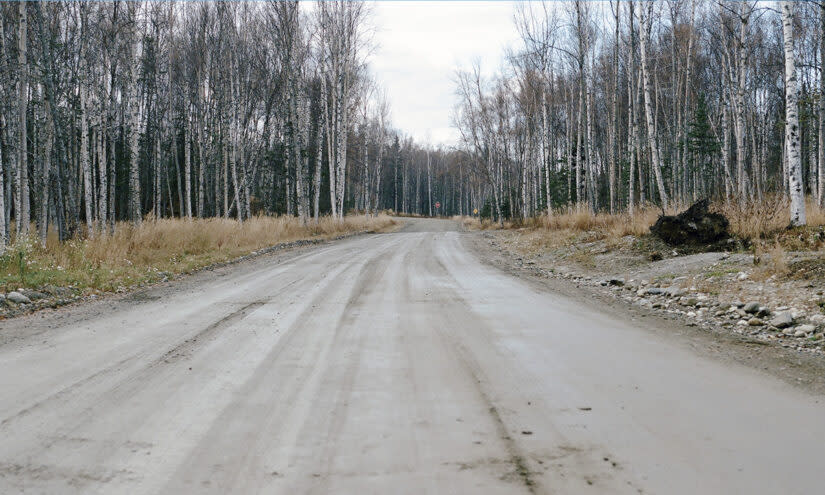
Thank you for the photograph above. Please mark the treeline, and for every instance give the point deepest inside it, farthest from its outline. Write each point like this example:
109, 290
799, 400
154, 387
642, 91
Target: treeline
111, 111
609, 105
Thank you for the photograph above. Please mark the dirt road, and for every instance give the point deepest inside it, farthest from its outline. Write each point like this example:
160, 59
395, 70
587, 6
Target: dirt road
393, 363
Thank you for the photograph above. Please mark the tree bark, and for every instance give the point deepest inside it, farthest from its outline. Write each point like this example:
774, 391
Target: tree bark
135, 212
43, 221
792, 132
651, 130
22, 185
84, 162
820, 192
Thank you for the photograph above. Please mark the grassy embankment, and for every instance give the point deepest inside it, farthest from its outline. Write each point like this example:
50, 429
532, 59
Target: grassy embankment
759, 223
762, 226
134, 256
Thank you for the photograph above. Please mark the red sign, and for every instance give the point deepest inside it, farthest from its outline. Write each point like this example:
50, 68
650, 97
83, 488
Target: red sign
438, 204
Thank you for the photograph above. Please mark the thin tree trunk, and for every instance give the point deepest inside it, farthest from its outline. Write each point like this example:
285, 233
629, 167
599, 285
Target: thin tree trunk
592, 199
84, 162
22, 184
3, 238
739, 108
614, 104
319, 154
651, 130
135, 212
429, 185
792, 134
43, 221
187, 163
546, 151
728, 177
631, 115
820, 192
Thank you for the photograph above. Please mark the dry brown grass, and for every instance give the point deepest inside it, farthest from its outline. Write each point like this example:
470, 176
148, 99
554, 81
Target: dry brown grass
579, 219
752, 220
772, 261
475, 223
766, 218
136, 255
617, 225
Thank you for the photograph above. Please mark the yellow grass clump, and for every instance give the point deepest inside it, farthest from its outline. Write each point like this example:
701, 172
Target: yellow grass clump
566, 224
582, 219
133, 255
766, 218
772, 261
753, 220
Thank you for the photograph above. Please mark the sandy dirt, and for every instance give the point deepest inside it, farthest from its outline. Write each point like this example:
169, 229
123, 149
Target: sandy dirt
389, 363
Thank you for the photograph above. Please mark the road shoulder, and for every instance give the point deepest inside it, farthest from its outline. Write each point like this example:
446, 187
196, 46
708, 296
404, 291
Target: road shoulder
32, 323
802, 370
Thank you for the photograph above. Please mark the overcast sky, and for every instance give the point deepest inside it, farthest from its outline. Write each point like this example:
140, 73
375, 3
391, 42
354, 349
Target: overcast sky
419, 46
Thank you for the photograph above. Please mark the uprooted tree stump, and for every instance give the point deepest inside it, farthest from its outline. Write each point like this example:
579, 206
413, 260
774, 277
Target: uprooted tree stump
694, 227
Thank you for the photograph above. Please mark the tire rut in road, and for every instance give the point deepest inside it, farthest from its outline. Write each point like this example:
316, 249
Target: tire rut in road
516, 457
189, 345
365, 286
274, 404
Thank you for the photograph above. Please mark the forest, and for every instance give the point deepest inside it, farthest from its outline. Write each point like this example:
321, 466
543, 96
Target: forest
126, 111
611, 105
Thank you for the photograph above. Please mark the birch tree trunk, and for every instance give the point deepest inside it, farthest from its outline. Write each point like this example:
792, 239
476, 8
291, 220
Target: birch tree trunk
187, 162
134, 153
569, 144
328, 102
84, 162
686, 102
43, 221
651, 129
728, 177
319, 154
547, 150
739, 106
341, 159
592, 199
22, 184
614, 110
3, 240
632, 134
303, 168
233, 156
820, 191
579, 146
201, 143
295, 151
429, 184
792, 134
104, 209
379, 162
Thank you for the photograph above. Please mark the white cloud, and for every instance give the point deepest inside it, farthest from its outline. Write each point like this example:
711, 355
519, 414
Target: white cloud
420, 44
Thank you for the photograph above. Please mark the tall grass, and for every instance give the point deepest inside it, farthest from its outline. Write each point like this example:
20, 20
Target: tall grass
766, 218
134, 255
749, 219
611, 225
764, 223
577, 219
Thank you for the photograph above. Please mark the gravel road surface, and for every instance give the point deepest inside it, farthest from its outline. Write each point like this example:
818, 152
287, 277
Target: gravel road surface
388, 363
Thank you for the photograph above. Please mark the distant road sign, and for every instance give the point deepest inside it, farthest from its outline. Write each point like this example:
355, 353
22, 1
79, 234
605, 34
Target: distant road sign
438, 204
475, 211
